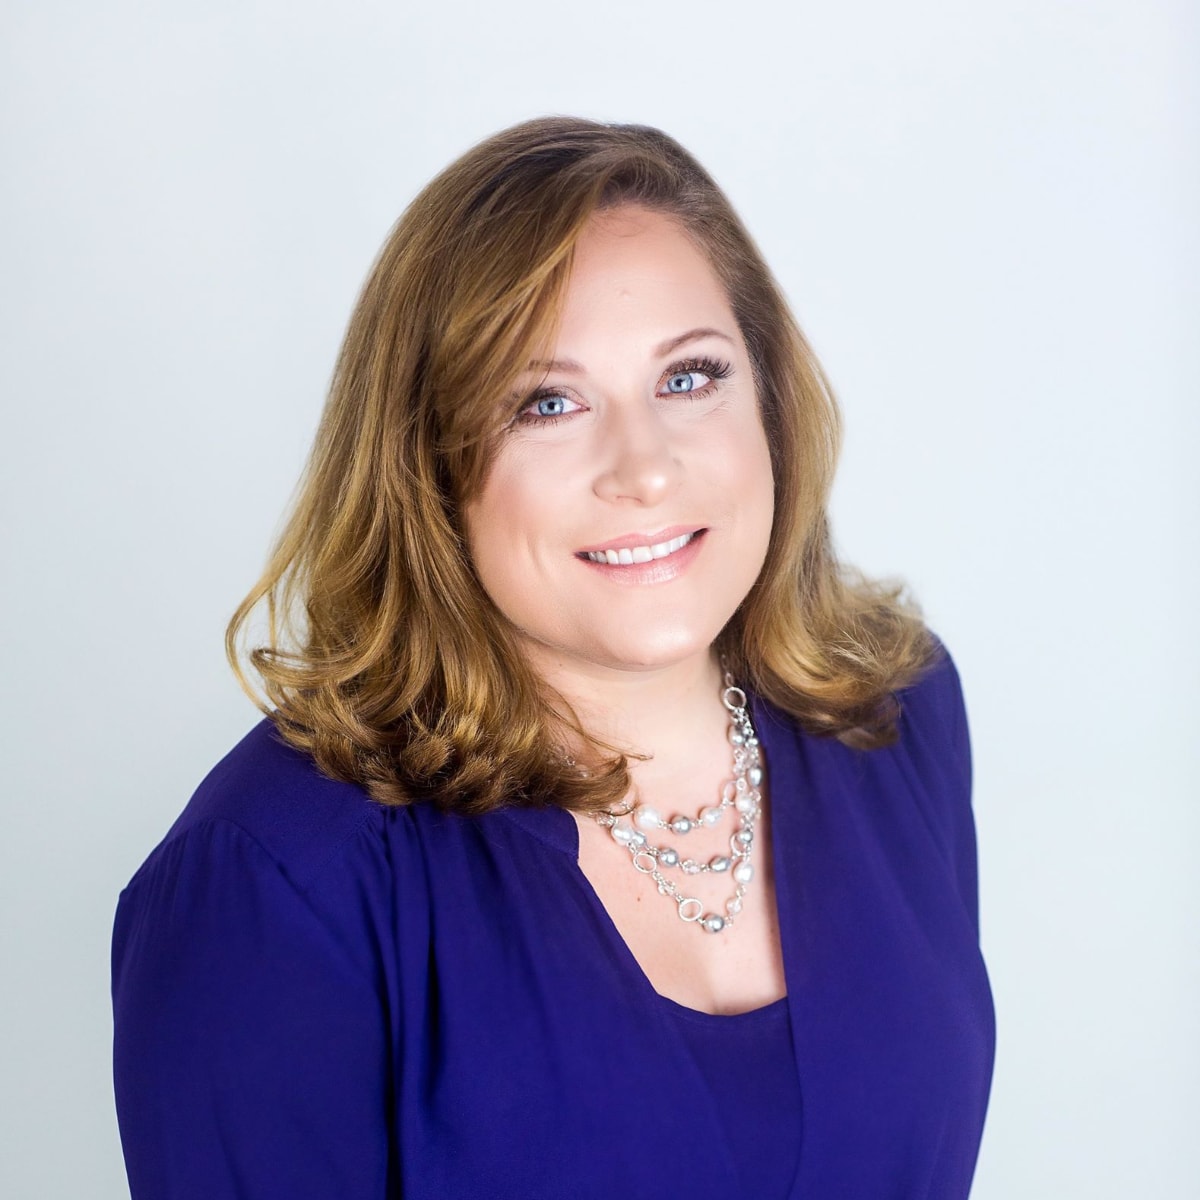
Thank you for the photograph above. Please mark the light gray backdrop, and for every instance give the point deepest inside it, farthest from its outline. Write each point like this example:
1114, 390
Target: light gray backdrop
985, 217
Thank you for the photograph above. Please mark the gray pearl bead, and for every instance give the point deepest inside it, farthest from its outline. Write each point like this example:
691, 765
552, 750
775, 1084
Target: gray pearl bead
720, 863
713, 923
668, 857
681, 825
754, 776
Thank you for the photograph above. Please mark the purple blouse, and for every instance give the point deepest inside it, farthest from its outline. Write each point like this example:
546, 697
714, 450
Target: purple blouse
317, 996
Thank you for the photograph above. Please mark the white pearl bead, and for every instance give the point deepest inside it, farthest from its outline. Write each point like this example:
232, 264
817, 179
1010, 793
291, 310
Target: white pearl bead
710, 815
647, 819
746, 803
743, 872
622, 833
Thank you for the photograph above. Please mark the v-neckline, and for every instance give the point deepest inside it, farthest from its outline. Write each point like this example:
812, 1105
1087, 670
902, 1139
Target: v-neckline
557, 828
781, 740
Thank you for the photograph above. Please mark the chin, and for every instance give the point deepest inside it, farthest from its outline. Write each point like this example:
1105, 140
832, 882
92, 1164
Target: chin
655, 653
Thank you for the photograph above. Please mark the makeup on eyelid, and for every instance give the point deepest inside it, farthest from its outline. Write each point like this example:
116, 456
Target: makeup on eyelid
714, 370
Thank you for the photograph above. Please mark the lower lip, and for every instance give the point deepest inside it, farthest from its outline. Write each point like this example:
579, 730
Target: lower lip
657, 570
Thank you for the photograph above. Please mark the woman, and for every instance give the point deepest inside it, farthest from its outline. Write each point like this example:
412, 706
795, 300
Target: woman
605, 837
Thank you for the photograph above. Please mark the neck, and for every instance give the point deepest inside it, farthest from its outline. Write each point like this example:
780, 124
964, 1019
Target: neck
672, 714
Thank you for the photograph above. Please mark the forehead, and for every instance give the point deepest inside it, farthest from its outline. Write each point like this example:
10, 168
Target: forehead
631, 231
638, 270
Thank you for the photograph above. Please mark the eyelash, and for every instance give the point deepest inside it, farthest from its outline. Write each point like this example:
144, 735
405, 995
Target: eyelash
716, 369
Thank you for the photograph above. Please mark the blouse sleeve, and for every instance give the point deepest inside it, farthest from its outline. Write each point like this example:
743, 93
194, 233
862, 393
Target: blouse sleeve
936, 743
965, 851
251, 1053
940, 739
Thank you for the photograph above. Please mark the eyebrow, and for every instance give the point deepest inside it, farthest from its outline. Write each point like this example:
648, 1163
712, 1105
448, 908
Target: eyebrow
569, 366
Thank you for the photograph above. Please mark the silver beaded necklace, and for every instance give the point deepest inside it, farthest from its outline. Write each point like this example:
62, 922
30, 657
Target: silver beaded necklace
742, 794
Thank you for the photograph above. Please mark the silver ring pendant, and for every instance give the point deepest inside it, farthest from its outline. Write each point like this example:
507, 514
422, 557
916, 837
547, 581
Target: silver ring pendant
649, 858
692, 914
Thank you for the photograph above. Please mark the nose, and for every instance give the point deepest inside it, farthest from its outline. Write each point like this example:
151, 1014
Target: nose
638, 461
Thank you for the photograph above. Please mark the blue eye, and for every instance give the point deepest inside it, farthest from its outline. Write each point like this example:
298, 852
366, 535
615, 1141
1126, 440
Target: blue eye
695, 377
685, 381
547, 408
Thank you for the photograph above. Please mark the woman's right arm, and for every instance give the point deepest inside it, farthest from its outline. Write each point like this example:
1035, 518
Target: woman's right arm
252, 1045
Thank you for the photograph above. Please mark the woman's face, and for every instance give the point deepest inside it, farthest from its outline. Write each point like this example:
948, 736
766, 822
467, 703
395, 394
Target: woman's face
641, 442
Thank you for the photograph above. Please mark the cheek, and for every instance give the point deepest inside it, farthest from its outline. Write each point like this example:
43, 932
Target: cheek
497, 508
748, 464
755, 485
481, 527
503, 524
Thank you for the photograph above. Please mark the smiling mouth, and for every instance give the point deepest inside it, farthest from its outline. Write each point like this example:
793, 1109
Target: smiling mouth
631, 555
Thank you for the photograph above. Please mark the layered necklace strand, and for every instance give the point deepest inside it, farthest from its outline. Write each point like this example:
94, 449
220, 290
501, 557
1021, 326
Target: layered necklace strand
742, 794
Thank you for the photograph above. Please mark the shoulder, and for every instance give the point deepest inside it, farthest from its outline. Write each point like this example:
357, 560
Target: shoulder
915, 794
932, 724
268, 853
932, 709
931, 762
250, 963
268, 794
928, 759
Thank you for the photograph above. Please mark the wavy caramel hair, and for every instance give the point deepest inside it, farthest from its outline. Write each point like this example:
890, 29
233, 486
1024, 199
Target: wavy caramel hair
384, 658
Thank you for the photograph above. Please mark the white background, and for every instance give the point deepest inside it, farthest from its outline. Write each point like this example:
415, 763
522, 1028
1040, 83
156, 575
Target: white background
985, 216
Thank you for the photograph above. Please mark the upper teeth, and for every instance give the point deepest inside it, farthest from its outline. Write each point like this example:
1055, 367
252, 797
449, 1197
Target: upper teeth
640, 554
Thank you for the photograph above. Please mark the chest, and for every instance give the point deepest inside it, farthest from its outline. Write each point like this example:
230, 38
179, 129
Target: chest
538, 1039
734, 971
